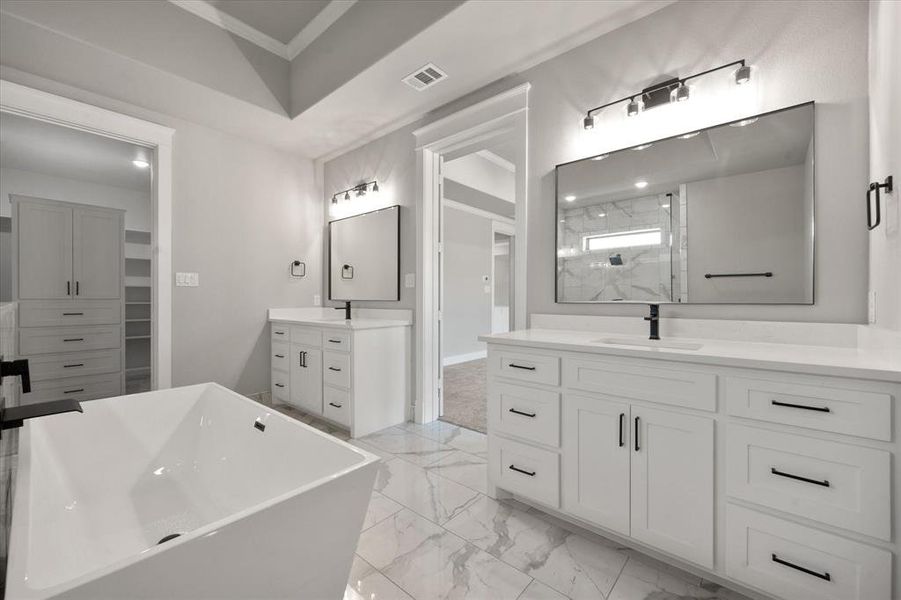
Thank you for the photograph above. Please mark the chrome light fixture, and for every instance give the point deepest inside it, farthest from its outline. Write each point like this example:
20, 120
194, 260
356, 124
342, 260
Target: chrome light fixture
633, 108
681, 93
742, 74
588, 122
359, 190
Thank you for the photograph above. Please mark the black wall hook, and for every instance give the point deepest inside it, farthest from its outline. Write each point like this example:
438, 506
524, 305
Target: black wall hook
875, 187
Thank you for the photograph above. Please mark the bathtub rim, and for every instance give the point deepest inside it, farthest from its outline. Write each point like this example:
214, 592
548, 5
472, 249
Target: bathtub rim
17, 586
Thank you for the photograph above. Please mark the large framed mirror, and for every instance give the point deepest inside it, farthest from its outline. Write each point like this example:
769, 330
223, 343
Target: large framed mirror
364, 256
720, 215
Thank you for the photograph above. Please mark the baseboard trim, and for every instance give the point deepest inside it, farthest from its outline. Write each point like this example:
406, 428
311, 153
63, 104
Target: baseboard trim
462, 358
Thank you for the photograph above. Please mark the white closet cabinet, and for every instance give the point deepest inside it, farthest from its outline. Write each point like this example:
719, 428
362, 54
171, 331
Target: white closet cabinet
306, 378
44, 250
98, 237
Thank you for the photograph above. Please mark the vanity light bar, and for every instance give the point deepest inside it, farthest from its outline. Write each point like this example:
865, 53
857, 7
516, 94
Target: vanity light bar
359, 189
678, 91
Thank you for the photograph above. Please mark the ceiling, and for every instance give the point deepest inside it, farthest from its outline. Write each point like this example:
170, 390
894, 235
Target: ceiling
279, 19
40, 147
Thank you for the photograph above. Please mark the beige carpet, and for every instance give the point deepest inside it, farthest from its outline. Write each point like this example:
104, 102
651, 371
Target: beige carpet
465, 395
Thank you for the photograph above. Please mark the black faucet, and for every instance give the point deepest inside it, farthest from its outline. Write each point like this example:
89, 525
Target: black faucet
654, 319
12, 368
15, 416
346, 309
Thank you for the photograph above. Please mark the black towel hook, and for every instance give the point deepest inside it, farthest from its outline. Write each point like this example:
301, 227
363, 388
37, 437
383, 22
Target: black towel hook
876, 186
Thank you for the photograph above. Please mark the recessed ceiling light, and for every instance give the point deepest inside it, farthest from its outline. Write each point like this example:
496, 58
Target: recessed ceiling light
599, 157
664, 206
688, 136
141, 164
743, 122
602, 214
569, 198
641, 184
642, 147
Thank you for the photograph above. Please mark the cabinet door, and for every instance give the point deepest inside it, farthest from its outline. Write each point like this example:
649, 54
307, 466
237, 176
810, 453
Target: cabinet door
306, 378
596, 460
672, 483
97, 253
44, 234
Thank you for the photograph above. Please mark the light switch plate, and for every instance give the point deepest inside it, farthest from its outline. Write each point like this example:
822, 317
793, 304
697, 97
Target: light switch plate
871, 307
410, 280
317, 300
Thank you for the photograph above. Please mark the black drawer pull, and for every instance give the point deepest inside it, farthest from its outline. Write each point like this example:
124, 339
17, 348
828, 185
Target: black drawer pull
637, 447
279, 385
790, 405
335, 405
823, 482
279, 332
336, 369
279, 356
73, 391
334, 341
77, 287
780, 561
529, 473
524, 368
525, 414
75, 314
622, 421
73, 339
73, 365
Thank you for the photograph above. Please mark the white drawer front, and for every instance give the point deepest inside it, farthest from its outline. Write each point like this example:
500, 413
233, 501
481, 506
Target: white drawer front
820, 565
842, 410
306, 336
280, 391
46, 340
75, 364
838, 484
335, 339
44, 313
525, 470
336, 369
281, 353
525, 367
280, 333
655, 381
78, 388
524, 412
337, 405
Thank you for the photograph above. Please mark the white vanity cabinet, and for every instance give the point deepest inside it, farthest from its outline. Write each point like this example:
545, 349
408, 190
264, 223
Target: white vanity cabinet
775, 480
353, 374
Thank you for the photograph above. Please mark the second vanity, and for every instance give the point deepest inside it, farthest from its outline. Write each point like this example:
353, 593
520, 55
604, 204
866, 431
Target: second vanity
353, 373
766, 464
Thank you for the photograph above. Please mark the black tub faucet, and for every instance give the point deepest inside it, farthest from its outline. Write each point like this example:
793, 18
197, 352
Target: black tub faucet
654, 319
13, 368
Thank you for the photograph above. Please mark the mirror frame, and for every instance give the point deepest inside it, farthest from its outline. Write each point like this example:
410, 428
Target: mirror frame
329, 261
813, 247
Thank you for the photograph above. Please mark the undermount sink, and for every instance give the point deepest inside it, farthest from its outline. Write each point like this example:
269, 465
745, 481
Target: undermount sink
644, 343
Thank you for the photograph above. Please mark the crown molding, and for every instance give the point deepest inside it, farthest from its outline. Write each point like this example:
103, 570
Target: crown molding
333, 11
210, 13
497, 160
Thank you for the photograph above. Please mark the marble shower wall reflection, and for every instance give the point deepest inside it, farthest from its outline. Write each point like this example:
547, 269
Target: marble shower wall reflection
647, 273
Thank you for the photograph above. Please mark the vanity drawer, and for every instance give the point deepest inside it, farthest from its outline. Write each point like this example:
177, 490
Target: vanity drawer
651, 380
44, 313
306, 336
46, 340
281, 352
522, 366
74, 364
837, 484
525, 470
525, 412
337, 405
789, 560
334, 339
336, 368
280, 333
827, 407
79, 388
280, 387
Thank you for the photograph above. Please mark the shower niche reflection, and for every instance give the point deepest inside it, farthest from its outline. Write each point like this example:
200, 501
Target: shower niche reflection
720, 215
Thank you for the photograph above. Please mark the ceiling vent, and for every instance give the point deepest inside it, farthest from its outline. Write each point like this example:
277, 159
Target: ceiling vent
425, 77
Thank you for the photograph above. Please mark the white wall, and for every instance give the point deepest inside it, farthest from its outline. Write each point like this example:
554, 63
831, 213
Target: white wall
885, 158
480, 173
136, 203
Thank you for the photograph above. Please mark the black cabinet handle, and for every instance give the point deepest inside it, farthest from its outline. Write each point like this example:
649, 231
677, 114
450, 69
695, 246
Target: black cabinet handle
825, 575
73, 339
77, 286
336, 369
68, 288
524, 368
801, 406
73, 391
335, 341
279, 356
302, 359
335, 405
518, 470
73, 365
622, 421
73, 314
279, 385
637, 447
525, 414
279, 332
823, 482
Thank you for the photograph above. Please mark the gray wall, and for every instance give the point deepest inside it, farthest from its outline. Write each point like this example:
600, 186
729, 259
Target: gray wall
467, 309
800, 51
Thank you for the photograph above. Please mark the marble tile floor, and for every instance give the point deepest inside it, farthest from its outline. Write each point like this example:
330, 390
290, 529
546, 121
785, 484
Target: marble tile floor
431, 533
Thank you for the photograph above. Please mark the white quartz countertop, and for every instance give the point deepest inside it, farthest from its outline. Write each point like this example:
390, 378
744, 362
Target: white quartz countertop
333, 318
819, 360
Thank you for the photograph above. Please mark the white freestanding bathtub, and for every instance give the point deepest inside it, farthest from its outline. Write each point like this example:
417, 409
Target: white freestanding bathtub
266, 507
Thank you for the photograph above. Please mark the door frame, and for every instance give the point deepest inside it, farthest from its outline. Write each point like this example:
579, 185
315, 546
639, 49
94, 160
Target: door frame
503, 113
43, 106
508, 229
